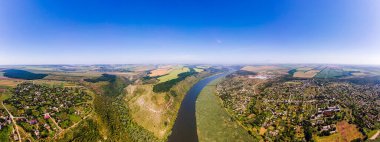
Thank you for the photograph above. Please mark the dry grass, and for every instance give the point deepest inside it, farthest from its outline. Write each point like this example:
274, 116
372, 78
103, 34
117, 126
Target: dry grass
129, 75
203, 66
306, 74
156, 112
304, 68
166, 66
262, 131
54, 82
173, 74
260, 68
9, 82
159, 72
143, 68
198, 69
359, 74
345, 133
71, 76
149, 109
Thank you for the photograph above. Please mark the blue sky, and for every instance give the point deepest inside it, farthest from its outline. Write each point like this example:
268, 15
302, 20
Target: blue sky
189, 31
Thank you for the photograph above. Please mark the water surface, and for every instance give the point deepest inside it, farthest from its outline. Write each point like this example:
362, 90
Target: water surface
185, 126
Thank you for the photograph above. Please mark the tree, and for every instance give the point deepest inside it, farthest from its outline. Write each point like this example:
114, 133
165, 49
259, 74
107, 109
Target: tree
308, 132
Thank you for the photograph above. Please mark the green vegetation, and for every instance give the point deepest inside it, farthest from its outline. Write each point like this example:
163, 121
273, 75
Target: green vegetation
104, 77
115, 115
21, 74
241, 73
165, 86
5, 132
38, 105
173, 74
213, 122
87, 131
156, 112
287, 109
198, 69
291, 72
332, 73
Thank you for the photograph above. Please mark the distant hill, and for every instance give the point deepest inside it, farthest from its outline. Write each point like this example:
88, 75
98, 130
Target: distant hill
21, 74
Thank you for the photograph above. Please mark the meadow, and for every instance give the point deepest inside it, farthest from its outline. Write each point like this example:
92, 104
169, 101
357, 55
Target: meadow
260, 68
213, 122
332, 72
159, 72
305, 73
198, 69
345, 133
173, 74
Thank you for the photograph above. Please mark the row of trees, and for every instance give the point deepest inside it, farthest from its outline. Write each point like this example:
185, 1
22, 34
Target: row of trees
113, 116
166, 86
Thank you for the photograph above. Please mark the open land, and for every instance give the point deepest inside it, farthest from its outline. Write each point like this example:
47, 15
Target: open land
213, 122
173, 74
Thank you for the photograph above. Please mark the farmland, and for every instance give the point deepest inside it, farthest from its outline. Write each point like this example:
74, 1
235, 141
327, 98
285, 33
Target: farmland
198, 69
159, 72
259, 68
213, 122
306, 74
173, 74
332, 72
9, 82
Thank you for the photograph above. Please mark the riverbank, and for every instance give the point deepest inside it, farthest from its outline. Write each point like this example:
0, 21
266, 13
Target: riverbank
184, 128
213, 122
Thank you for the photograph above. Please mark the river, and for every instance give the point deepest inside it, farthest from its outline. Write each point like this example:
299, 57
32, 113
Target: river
185, 126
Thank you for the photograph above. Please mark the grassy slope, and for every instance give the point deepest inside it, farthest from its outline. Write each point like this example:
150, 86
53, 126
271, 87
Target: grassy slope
173, 74
213, 122
111, 119
160, 122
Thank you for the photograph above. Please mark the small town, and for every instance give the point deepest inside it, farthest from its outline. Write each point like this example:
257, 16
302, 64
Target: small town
279, 109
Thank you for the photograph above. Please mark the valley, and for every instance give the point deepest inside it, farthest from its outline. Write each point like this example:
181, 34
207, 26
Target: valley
157, 103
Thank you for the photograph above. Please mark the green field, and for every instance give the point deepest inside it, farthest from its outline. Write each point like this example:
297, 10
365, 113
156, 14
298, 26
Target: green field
5, 132
213, 122
332, 73
198, 69
173, 74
